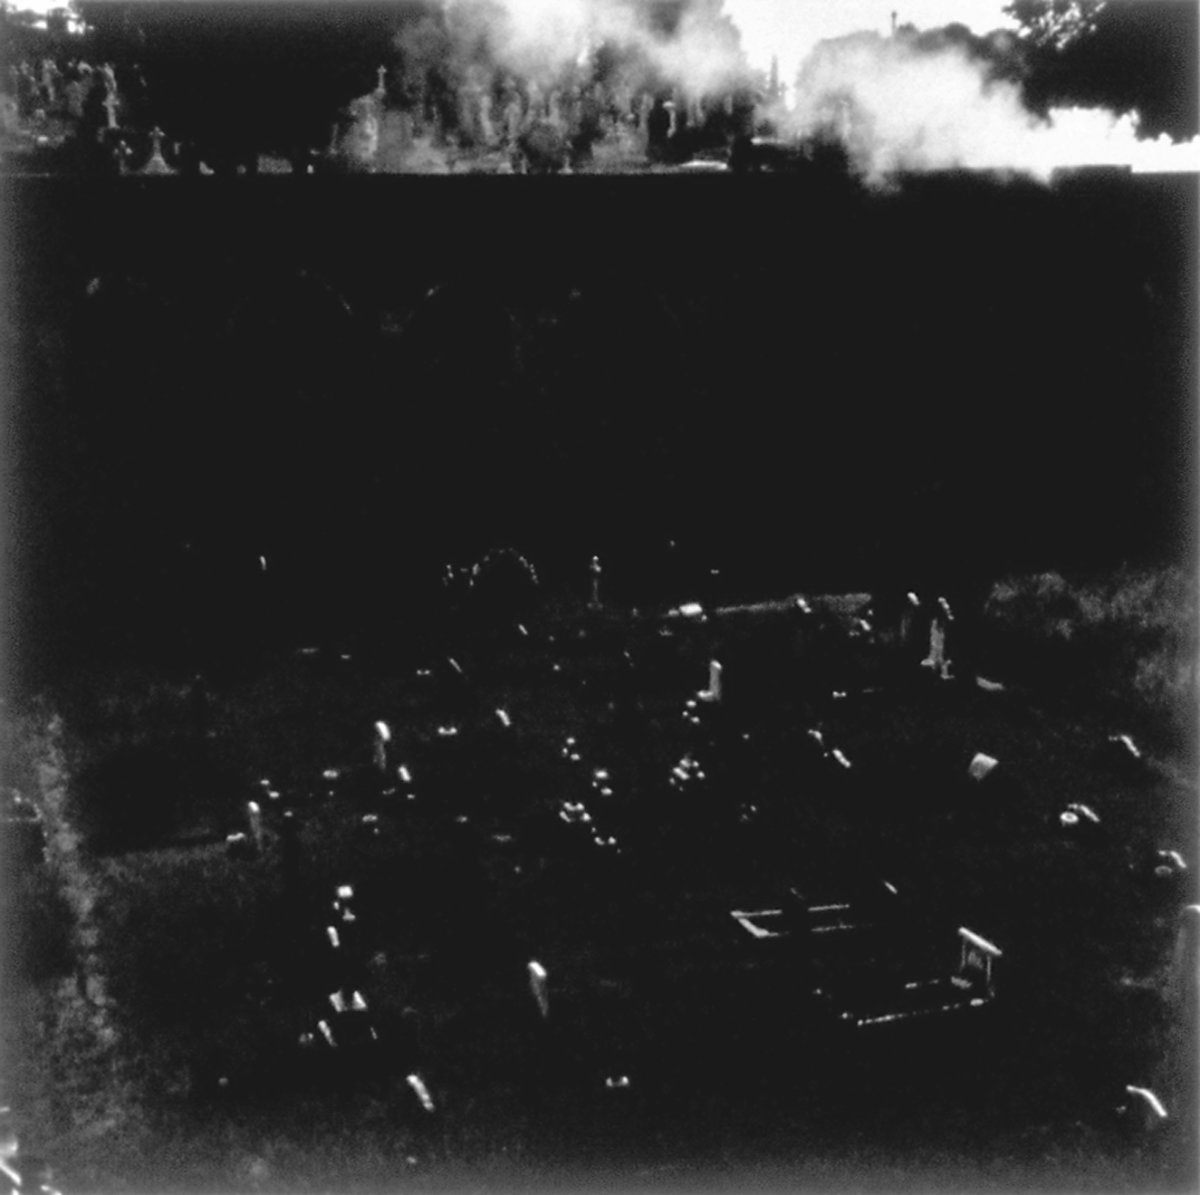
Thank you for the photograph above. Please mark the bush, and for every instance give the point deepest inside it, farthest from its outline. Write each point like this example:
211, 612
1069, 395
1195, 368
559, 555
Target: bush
1127, 640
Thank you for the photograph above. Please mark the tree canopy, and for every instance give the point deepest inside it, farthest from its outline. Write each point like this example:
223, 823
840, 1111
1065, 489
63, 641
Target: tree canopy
25, 34
1140, 56
236, 78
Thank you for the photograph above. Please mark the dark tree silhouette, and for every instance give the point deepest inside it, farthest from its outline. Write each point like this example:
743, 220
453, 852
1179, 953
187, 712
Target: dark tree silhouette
26, 35
1054, 22
1120, 55
235, 79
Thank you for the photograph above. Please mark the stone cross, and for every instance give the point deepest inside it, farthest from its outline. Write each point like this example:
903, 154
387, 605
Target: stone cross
157, 163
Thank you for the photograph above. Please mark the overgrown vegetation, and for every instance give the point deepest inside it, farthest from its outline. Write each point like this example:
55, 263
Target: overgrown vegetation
1127, 640
189, 965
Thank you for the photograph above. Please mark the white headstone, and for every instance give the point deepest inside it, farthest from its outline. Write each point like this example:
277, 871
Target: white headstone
254, 816
383, 736
422, 1092
713, 692
1185, 962
537, 985
595, 570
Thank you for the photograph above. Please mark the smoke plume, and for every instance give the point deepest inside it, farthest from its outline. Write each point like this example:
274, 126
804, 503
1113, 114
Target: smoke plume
622, 84
685, 43
918, 102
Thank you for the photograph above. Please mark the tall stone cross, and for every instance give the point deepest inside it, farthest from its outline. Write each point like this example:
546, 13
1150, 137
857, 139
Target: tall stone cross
157, 163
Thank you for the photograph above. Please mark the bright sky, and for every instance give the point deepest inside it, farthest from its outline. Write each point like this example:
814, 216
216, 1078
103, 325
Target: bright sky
764, 22
790, 28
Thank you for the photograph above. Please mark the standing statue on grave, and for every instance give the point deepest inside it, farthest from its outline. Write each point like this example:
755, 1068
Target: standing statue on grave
938, 658
46, 83
50, 81
111, 106
487, 133
554, 110
466, 110
512, 113
363, 140
535, 103
643, 106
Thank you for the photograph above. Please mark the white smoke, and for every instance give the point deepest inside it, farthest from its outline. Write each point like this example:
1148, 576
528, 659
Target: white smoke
910, 102
703, 56
897, 107
536, 40
543, 40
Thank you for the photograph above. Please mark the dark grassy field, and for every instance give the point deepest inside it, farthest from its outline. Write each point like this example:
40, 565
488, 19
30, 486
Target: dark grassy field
250, 426
158, 1048
960, 377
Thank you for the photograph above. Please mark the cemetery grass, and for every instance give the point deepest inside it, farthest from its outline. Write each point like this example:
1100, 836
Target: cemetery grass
200, 953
